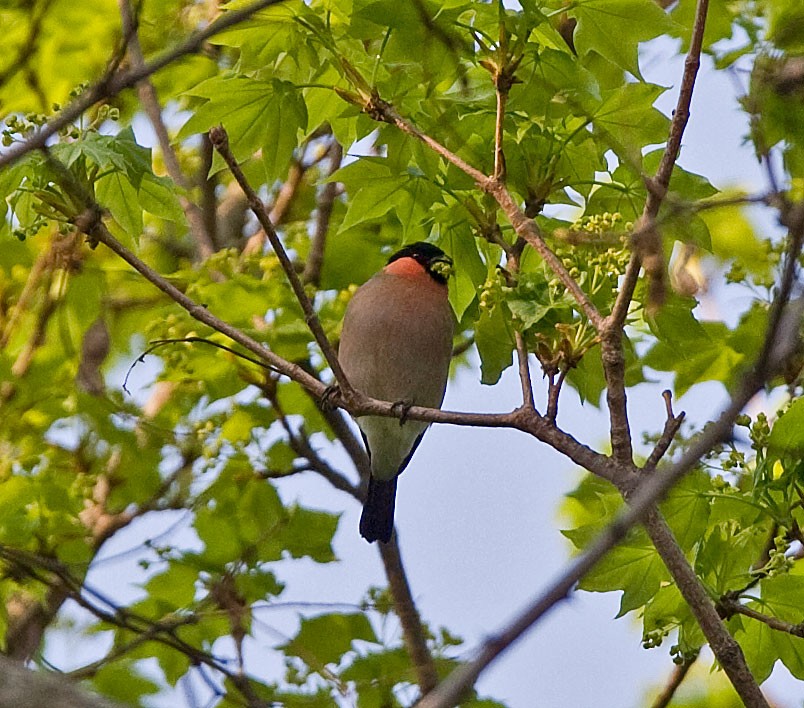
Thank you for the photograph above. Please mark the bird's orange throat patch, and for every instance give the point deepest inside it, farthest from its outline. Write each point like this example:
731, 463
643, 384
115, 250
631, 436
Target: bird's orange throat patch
406, 267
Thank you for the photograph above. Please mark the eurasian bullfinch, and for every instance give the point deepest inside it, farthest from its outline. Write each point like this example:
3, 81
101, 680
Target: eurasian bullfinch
396, 346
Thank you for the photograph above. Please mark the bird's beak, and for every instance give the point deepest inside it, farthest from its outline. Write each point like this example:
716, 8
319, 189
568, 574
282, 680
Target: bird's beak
443, 266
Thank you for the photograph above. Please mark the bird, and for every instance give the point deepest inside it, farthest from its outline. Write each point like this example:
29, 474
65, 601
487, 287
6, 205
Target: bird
396, 345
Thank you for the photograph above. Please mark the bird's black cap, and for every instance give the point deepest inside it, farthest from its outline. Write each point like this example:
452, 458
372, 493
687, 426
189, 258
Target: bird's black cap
425, 253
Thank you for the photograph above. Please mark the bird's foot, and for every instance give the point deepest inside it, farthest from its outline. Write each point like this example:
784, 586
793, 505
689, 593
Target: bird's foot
330, 392
402, 408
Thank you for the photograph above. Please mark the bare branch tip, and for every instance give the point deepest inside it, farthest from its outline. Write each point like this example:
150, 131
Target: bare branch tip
219, 137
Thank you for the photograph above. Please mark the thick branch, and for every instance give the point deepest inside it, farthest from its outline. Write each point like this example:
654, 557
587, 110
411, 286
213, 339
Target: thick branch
723, 645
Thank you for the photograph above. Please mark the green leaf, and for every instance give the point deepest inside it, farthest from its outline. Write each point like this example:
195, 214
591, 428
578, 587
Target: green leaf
614, 29
495, 344
686, 508
257, 115
734, 238
220, 537
627, 116
587, 377
758, 645
174, 586
238, 426
637, 570
787, 434
122, 681
727, 554
376, 190
158, 196
470, 272
325, 639
695, 351
309, 534
116, 193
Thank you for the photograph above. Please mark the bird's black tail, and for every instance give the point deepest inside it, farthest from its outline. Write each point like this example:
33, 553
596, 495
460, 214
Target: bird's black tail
377, 520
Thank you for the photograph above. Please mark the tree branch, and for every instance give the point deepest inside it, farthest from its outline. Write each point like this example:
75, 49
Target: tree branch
642, 501
680, 672
326, 200
405, 608
220, 140
612, 334
657, 187
671, 426
525, 227
730, 605
114, 82
513, 263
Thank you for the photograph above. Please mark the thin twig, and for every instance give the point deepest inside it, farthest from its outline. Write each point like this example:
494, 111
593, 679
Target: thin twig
731, 606
672, 424
680, 672
326, 200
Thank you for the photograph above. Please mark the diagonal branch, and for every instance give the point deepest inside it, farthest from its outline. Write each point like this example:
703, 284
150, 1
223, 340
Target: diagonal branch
220, 140
680, 672
114, 82
657, 187
642, 501
525, 227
